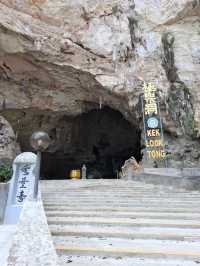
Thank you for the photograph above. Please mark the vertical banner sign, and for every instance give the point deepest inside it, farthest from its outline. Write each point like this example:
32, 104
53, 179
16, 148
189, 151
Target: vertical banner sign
154, 140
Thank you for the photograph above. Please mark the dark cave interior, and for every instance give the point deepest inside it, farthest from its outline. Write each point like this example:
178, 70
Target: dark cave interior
101, 139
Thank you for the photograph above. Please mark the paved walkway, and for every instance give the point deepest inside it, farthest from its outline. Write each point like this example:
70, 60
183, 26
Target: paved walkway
116, 222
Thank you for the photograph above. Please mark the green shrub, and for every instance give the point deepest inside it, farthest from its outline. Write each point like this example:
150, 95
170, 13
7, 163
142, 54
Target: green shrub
5, 173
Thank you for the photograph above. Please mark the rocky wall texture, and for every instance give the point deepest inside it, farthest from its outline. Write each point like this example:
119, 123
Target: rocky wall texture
70, 56
8, 145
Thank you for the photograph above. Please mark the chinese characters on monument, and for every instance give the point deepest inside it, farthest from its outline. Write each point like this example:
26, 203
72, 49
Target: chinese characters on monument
23, 185
154, 140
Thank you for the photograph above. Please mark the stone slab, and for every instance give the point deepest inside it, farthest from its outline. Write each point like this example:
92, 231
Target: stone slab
114, 247
126, 232
120, 261
131, 214
126, 221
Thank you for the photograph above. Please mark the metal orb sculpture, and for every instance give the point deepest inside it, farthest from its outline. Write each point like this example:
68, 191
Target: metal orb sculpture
40, 141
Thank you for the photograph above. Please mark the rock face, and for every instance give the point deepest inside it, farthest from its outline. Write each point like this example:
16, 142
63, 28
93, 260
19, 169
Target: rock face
8, 145
69, 57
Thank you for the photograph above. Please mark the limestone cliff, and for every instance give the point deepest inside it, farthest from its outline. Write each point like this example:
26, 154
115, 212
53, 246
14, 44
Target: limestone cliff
68, 57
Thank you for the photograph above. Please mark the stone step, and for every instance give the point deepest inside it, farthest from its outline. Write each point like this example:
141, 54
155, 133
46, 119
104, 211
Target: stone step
114, 247
170, 209
118, 184
121, 185
117, 222
107, 186
92, 182
130, 214
122, 202
119, 204
125, 221
126, 232
113, 192
104, 198
122, 195
122, 261
101, 188
101, 193
115, 188
99, 183
133, 192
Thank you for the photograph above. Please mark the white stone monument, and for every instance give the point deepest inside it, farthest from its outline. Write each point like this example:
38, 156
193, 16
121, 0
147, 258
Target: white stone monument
22, 185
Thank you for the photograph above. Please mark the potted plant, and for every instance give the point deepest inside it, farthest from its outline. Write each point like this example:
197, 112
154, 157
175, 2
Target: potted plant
5, 173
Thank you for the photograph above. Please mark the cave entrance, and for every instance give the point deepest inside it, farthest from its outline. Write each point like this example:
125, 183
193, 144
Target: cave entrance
101, 139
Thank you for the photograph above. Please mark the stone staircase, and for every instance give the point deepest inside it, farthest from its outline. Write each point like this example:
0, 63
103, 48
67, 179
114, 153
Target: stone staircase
117, 222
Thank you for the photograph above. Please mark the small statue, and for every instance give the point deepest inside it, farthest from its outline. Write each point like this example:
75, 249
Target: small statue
130, 167
84, 172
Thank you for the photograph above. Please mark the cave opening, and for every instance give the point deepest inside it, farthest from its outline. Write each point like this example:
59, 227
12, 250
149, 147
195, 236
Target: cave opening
102, 139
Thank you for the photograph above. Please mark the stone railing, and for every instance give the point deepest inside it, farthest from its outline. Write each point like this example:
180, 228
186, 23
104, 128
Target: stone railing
32, 243
186, 178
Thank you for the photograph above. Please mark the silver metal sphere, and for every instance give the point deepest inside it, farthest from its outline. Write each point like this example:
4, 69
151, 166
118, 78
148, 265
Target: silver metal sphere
40, 141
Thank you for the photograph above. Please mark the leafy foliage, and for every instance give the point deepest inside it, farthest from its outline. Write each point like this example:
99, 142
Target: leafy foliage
5, 172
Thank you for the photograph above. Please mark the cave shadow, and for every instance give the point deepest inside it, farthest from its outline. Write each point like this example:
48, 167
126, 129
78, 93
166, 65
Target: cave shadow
101, 139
